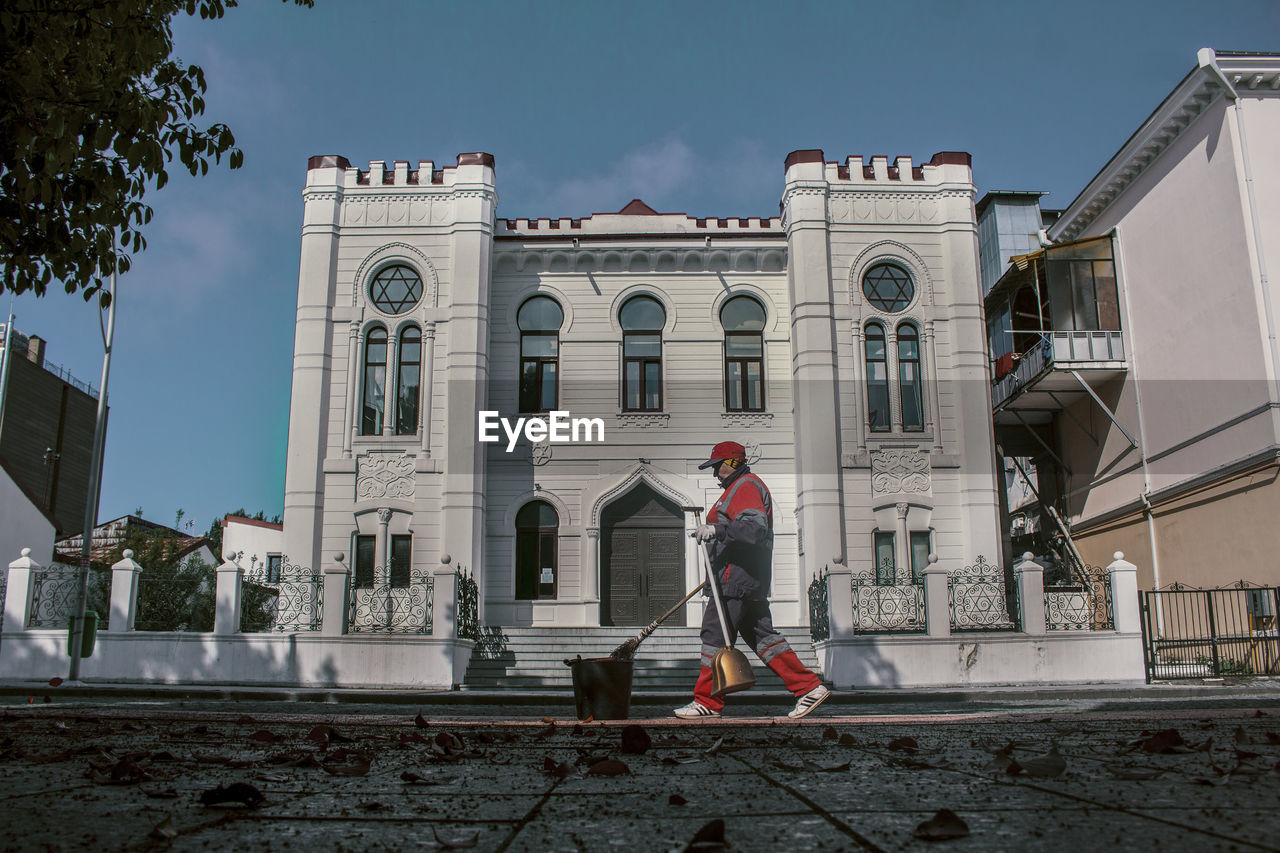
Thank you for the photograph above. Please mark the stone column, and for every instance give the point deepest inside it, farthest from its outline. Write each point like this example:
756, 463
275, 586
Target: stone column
17, 594
819, 504
930, 370
892, 376
351, 412
428, 372
124, 594
227, 599
444, 603
1030, 576
860, 382
591, 576
382, 549
337, 581
1124, 595
840, 602
901, 543
937, 603
390, 392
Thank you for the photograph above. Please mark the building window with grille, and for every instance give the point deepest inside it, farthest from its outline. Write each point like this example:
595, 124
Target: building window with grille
375, 381
909, 386
274, 562
877, 379
537, 526
882, 543
539, 320
888, 287
743, 320
365, 555
920, 550
401, 560
642, 319
408, 378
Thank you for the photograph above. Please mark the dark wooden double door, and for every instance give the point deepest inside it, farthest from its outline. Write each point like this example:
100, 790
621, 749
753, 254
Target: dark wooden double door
642, 544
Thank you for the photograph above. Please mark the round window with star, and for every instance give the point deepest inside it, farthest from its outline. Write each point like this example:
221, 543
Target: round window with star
395, 289
888, 287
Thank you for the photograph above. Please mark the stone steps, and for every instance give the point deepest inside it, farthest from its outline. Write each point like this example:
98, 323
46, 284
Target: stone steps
528, 657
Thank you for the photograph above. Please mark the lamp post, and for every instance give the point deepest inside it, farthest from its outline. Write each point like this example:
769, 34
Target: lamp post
95, 473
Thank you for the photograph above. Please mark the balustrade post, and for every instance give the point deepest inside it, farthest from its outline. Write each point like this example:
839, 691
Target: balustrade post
17, 596
444, 604
226, 609
1125, 615
337, 583
840, 602
1030, 577
124, 593
937, 603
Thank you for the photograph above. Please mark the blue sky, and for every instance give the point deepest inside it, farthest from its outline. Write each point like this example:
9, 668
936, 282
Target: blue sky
690, 105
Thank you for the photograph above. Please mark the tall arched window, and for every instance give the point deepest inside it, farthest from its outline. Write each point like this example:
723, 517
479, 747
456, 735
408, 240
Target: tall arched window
642, 319
539, 320
408, 377
536, 548
375, 381
877, 379
909, 387
743, 320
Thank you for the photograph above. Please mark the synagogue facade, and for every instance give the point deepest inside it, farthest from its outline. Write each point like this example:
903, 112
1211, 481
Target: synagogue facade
842, 342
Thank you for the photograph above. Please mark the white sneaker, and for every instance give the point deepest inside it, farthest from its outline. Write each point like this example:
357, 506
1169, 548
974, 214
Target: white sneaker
695, 711
809, 701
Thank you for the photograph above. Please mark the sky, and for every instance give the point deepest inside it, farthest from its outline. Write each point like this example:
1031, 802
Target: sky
690, 105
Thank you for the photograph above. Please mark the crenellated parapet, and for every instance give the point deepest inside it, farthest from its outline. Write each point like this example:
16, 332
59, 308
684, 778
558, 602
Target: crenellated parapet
398, 196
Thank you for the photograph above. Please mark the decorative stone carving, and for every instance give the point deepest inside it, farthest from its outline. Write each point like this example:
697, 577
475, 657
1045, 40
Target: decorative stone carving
540, 452
899, 472
746, 420
384, 475
633, 420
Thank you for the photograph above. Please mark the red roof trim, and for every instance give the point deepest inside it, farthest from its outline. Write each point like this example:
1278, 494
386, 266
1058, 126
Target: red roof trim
328, 161
804, 155
252, 522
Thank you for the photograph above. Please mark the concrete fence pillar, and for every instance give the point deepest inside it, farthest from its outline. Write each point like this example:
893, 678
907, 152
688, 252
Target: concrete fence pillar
337, 584
444, 603
937, 603
1124, 595
1030, 576
17, 595
124, 594
840, 602
227, 600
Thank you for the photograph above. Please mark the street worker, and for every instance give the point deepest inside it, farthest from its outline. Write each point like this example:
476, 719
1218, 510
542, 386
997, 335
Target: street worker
738, 536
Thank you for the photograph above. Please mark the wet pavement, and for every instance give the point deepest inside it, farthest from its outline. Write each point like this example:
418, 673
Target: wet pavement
1142, 768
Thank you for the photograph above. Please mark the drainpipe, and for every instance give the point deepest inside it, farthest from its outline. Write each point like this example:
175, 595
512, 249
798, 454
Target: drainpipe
1208, 60
1122, 280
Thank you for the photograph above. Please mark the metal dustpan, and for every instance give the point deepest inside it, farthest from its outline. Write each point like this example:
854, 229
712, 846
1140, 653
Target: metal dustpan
730, 669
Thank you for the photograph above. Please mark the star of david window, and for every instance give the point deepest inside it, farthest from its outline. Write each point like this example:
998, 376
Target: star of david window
396, 289
888, 287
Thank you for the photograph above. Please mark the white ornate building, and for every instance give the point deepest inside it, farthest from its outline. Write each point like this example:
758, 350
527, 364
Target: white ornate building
842, 342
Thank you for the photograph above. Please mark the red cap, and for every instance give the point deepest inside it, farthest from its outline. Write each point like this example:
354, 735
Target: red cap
725, 450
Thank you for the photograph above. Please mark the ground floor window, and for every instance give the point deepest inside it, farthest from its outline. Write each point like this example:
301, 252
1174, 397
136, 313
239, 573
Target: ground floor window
364, 562
536, 548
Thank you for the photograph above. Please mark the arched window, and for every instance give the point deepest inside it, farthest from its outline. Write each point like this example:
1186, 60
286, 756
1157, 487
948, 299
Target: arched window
642, 319
536, 549
877, 379
539, 320
743, 320
909, 389
888, 287
375, 381
408, 376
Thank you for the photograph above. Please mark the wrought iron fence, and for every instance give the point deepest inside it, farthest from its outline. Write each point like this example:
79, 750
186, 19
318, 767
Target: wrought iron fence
883, 608
393, 603
819, 609
55, 590
1199, 633
286, 598
979, 598
468, 605
1081, 606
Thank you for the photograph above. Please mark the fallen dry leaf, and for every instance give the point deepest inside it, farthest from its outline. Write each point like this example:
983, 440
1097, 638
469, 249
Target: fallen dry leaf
455, 845
608, 767
245, 720
55, 681
715, 747
347, 762
562, 770
1164, 741
1045, 766
264, 736
164, 830
943, 826
904, 744
420, 722
846, 739
709, 837
635, 740
676, 800
829, 733
237, 793
818, 768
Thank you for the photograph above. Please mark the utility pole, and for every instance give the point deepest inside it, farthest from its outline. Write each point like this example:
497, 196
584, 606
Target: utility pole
95, 473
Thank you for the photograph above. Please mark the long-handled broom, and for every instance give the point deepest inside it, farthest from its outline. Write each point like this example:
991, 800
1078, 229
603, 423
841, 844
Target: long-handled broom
627, 650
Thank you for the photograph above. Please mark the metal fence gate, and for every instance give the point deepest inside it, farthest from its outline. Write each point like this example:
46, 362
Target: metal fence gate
1206, 633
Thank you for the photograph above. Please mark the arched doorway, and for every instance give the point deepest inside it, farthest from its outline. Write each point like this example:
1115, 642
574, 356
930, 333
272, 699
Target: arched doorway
641, 558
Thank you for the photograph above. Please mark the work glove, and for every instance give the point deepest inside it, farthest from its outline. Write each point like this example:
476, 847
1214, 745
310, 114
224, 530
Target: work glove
705, 533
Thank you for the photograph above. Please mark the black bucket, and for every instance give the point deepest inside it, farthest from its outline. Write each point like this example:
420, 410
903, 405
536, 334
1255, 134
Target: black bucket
601, 688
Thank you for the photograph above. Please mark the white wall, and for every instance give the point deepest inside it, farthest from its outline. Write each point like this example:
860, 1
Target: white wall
251, 541
22, 525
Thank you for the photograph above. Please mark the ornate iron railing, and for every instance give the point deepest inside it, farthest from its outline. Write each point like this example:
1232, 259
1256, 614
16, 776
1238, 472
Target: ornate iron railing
287, 598
468, 605
1080, 607
819, 609
979, 598
883, 608
54, 590
393, 605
